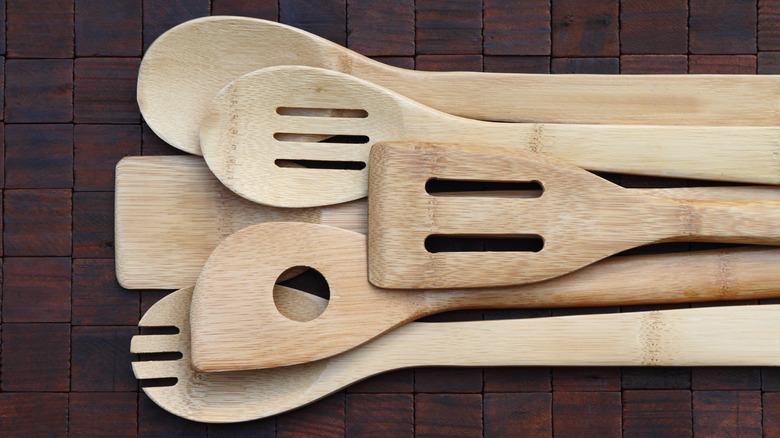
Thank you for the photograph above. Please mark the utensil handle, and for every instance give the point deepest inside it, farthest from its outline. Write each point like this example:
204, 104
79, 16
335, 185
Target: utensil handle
724, 153
714, 153
740, 100
718, 336
756, 222
728, 274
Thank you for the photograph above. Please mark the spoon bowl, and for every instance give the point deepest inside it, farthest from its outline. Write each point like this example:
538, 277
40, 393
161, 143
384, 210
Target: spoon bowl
267, 119
189, 64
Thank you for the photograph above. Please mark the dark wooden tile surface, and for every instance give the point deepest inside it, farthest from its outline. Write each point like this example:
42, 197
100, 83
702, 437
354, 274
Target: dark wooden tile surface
68, 71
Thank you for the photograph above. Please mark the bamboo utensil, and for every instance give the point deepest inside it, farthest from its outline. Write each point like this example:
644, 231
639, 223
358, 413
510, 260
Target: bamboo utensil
171, 212
722, 336
255, 127
186, 66
577, 219
237, 325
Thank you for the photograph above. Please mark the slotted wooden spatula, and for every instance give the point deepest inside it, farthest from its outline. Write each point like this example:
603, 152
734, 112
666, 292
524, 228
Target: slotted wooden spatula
263, 120
171, 212
577, 219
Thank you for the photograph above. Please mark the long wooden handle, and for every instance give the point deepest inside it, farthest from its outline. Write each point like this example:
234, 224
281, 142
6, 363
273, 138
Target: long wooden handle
724, 153
729, 274
739, 100
756, 222
722, 336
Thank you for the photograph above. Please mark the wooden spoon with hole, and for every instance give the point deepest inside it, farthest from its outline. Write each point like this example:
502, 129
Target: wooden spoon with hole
187, 65
716, 336
236, 323
255, 126
171, 212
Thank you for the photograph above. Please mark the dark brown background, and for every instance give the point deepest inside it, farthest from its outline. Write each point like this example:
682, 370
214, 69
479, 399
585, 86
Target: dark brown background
69, 114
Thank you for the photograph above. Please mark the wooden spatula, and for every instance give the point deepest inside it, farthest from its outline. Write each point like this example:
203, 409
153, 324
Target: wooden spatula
716, 336
577, 219
237, 322
259, 123
170, 213
186, 66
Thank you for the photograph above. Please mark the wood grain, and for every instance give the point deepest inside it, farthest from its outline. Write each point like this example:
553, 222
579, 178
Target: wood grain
37, 222
98, 149
516, 28
243, 137
521, 414
403, 216
448, 27
41, 29
381, 28
93, 224
38, 90
100, 359
108, 28
39, 156
36, 289
572, 99
34, 413
221, 302
97, 298
90, 412
36, 357
104, 90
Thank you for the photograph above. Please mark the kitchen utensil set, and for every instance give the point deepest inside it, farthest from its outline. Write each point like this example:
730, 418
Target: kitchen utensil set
462, 212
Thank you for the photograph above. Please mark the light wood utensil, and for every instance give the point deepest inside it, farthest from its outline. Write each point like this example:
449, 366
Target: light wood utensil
255, 127
186, 66
717, 336
577, 219
237, 325
155, 195
171, 212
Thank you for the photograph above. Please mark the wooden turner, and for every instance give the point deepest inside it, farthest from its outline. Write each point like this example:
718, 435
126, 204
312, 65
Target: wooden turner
577, 219
187, 66
258, 124
171, 212
237, 322
717, 336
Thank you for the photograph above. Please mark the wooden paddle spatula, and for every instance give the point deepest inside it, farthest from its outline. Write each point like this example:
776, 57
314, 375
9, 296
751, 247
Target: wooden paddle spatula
170, 212
577, 219
264, 120
239, 323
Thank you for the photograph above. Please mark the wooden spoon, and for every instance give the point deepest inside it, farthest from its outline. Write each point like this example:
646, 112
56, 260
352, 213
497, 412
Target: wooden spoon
171, 212
236, 324
254, 126
716, 336
577, 219
186, 66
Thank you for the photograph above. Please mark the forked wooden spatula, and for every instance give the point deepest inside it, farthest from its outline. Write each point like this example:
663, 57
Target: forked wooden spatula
577, 219
238, 323
263, 121
171, 212
724, 336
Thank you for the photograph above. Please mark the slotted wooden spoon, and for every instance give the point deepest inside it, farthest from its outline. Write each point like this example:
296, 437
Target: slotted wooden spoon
577, 219
717, 336
187, 65
255, 127
237, 325
170, 213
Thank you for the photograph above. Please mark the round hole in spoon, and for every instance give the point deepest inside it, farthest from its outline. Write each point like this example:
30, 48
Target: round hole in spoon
296, 306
